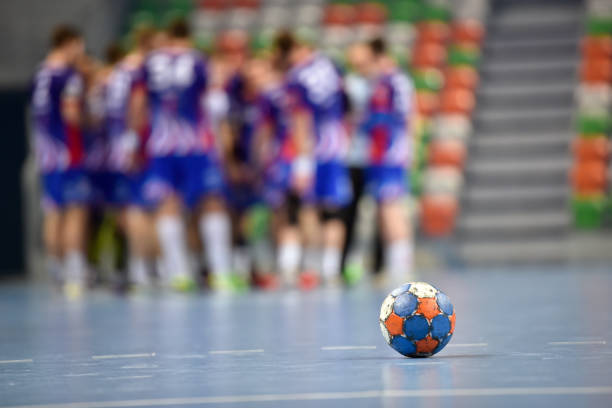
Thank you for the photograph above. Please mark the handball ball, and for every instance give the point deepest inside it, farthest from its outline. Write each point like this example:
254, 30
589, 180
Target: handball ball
417, 319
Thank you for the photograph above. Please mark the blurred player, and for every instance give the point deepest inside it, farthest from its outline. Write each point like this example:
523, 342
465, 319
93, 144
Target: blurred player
127, 127
387, 121
57, 98
320, 178
184, 161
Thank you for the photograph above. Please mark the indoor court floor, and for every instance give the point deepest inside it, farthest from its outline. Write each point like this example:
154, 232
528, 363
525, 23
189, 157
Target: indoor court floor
529, 337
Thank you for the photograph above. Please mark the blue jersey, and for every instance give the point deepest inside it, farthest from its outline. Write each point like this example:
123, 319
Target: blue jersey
176, 80
120, 85
386, 120
273, 113
59, 146
316, 87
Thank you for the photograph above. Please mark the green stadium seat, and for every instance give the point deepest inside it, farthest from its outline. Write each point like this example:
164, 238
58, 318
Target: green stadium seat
428, 79
599, 26
589, 211
594, 125
464, 54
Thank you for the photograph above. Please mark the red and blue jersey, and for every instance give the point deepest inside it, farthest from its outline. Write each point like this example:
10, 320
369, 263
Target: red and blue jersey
273, 113
120, 85
176, 80
386, 120
59, 145
316, 87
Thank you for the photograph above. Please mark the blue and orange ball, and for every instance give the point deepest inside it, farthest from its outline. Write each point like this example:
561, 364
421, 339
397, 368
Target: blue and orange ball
417, 319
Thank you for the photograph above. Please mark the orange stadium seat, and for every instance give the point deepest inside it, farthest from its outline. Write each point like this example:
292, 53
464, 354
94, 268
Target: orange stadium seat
457, 101
461, 76
597, 47
596, 71
371, 13
213, 4
339, 14
428, 54
589, 177
593, 148
427, 102
449, 152
468, 31
438, 214
432, 31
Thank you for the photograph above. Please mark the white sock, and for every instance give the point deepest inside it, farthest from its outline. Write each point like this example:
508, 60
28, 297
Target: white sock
330, 263
262, 255
139, 270
215, 232
398, 259
173, 242
75, 267
288, 260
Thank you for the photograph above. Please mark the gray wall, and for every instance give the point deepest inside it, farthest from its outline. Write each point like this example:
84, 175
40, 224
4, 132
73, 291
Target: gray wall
25, 26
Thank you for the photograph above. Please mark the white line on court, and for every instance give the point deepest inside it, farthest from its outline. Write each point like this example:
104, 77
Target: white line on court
138, 366
330, 348
467, 345
26, 360
82, 375
111, 356
576, 343
129, 377
236, 351
186, 356
318, 396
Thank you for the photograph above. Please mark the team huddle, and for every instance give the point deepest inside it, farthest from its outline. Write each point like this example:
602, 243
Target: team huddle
184, 149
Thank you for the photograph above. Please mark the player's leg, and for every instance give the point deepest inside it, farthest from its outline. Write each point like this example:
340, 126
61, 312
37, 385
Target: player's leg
160, 190
288, 240
141, 244
52, 221
204, 191
74, 224
394, 221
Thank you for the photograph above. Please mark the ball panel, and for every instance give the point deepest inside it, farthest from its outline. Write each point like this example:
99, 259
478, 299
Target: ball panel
416, 327
386, 308
385, 333
452, 322
428, 307
426, 346
405, 305
440, 326
402, 289
422, 290
403, 345
395, 324
444, 303
443, 343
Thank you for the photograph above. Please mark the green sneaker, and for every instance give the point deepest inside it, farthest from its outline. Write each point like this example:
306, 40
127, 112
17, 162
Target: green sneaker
183, 283
353, 273
230, 283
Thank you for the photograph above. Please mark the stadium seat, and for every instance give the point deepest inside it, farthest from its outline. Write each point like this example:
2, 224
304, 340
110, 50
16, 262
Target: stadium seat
588, 211
443, 180
461, 76
449, 152
597, 47
594, 125
438, 214
432, 31
339, 14
458, 101
594, 99
464, 54
427, 102
428, 55
371, 13
428, 79
452, 126
400, 33
468, 31
594, 148
595, 71
589, 177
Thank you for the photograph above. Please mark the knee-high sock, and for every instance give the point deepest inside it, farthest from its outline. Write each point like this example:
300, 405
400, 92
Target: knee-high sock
75, 267
288, 260
398, 259
139, 270
173, 242
215, 232
330, 263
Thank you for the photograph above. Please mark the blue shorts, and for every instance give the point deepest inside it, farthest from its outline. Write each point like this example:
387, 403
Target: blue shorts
191, 177
276, 183
118, 189
62, 188
386, 183
242, 196
332, 185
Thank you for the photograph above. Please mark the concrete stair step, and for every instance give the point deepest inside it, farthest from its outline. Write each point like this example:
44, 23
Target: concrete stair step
494, 200
512, 253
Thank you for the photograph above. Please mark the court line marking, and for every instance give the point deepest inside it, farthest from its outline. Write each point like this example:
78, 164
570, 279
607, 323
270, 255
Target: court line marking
129, 377
186, 356
576, 343
331, 348
235, 399
25, 360
236, 351
82, 375
112, 356
467, 345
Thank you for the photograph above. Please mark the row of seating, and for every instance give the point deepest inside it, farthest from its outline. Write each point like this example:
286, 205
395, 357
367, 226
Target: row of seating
590, 171
446, 76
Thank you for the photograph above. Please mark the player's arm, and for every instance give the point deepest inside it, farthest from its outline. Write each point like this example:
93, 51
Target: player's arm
71, 111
